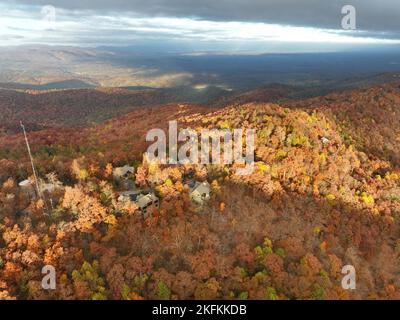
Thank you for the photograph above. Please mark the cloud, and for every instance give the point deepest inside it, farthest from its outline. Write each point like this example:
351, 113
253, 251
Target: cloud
235, 24
373, 15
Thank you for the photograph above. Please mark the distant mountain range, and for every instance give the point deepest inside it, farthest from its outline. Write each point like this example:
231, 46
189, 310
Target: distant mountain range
76, 103
42, 67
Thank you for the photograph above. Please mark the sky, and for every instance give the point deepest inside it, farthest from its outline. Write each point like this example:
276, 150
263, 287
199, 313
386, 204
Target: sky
220, 25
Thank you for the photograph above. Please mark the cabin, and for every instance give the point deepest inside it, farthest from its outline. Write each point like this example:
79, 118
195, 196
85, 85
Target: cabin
143, 199
27, 188
129, 195
200, 192
124, 177
25, 184
125, 172
147, 201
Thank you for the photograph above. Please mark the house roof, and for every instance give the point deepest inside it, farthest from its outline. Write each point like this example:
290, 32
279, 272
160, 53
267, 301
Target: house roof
121, 171
25, 183
132, 195
140, 197
144, 200
203, 187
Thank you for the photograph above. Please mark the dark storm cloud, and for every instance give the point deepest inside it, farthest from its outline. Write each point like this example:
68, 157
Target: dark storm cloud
372, 15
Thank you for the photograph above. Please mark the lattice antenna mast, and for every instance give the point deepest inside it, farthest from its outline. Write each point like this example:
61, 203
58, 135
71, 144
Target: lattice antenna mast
39, 193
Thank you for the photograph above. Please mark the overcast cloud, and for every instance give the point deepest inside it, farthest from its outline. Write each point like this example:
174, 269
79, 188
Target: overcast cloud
94, 22
373, 15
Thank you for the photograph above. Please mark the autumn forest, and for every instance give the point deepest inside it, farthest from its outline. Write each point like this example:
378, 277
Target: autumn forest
324, 193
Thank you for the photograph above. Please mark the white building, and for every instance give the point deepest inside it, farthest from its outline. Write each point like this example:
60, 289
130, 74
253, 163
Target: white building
27, 187
201, 192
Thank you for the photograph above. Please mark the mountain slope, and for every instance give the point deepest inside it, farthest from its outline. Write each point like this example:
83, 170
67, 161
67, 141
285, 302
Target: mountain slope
314, 203
369, 118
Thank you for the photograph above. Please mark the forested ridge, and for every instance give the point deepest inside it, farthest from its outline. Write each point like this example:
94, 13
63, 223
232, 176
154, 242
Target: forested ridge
325, 193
